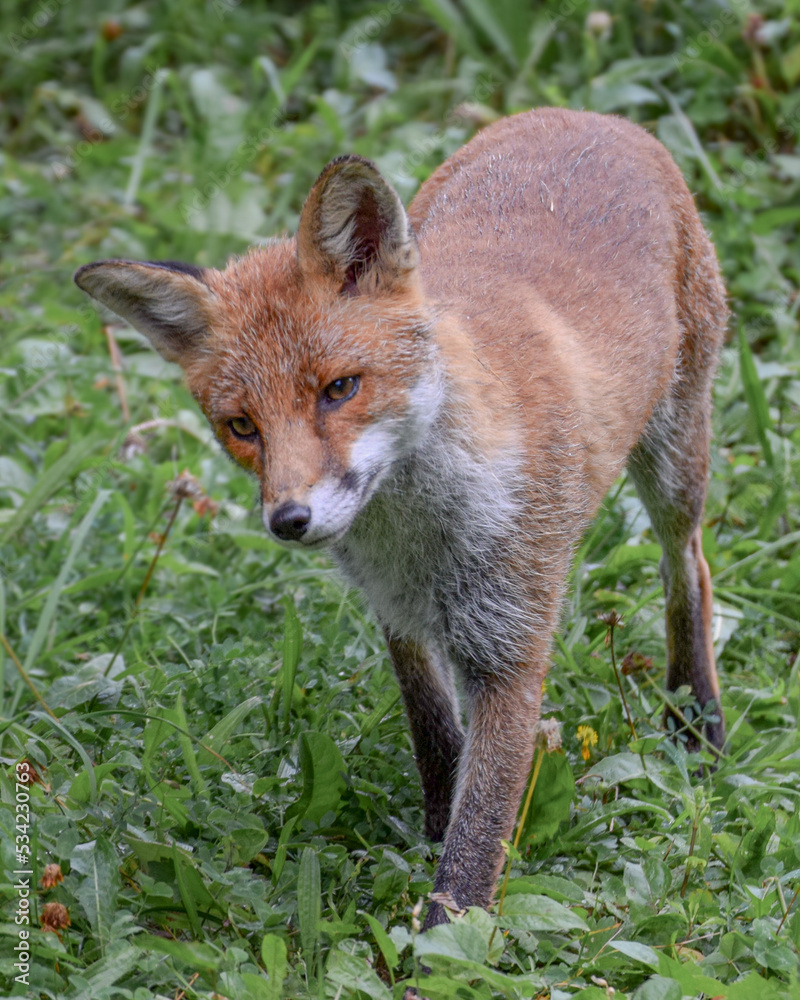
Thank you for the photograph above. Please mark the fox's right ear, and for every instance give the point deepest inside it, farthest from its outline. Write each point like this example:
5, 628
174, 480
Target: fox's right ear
166, 301
354, 230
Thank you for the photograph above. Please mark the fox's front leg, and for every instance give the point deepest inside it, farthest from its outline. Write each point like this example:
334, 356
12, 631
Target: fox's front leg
432, 708
492, 773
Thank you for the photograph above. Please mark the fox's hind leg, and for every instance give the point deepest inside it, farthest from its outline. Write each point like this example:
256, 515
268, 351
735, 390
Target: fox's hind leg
436, 730
669, 467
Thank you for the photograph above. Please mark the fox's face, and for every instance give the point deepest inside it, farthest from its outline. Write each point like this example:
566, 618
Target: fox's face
311, 358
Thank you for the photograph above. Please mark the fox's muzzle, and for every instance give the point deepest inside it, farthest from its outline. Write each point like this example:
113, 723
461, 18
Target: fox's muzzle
289, 522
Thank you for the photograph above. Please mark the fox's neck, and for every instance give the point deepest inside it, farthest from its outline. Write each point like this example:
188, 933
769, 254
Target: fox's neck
449, 505
434, 537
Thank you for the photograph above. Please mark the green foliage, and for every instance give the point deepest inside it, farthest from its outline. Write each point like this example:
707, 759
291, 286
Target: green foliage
227, 781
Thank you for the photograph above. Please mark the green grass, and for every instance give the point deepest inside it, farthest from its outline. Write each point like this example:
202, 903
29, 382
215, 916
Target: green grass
228, 784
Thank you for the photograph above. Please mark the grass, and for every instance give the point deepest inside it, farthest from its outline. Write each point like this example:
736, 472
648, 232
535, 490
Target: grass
223, 773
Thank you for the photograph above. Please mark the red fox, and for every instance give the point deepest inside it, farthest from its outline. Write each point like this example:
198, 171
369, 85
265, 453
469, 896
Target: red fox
443, 397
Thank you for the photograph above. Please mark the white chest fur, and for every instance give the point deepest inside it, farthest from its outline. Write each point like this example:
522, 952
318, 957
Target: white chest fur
433, 550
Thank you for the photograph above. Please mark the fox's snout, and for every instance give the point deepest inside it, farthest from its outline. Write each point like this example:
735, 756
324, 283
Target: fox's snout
311, 517
318, 510
290, 521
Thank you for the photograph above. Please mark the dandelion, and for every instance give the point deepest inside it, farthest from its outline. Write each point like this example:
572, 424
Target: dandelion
188, 487
588, 738
598, 23
548, 734
612, 619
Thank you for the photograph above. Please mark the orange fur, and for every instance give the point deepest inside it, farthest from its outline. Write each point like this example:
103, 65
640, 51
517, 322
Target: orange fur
442, 397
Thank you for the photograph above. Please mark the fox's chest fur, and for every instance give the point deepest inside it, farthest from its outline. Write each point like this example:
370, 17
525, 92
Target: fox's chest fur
431, 552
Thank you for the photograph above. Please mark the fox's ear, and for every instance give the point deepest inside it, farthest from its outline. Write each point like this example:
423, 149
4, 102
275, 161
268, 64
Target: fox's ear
354, 229
167, 301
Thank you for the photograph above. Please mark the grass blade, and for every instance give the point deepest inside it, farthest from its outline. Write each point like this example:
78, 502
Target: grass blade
189, 758
48, 483
216, 737
755, 396
182, 865
309, 903
450, 20
292, 643
48, 612
485, 14
145, 141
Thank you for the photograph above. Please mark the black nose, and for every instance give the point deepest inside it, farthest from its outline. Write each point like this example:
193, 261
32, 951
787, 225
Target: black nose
290, 521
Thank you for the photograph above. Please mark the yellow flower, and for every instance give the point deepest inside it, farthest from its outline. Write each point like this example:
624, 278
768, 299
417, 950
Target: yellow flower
588, 738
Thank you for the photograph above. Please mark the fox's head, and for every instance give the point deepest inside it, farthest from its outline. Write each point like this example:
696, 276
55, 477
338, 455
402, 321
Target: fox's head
312, 357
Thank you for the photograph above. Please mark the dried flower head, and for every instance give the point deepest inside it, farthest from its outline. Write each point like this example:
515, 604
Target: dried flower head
205, 505
612, 618
598, 23
548, 734
186, 486
755, 31
32, 776
636, 663
51, 876
133, 445
111, 29
55, 917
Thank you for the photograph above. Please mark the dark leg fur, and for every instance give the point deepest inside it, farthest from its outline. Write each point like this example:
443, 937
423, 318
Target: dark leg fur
491, 777
669, 467
435, 728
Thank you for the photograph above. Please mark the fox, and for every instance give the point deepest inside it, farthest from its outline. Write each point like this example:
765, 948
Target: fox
442, 397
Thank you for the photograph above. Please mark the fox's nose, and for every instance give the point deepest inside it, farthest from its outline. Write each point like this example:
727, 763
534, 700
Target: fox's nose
290, 521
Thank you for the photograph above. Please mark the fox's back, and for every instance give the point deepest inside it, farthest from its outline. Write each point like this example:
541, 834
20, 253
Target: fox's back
561, 240
562, 201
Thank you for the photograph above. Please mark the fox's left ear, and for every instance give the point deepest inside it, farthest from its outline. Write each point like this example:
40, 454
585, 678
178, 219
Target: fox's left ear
166, 301
354, 229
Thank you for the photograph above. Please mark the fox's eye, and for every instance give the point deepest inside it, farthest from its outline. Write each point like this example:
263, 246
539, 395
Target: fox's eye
242, 427
342, 388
